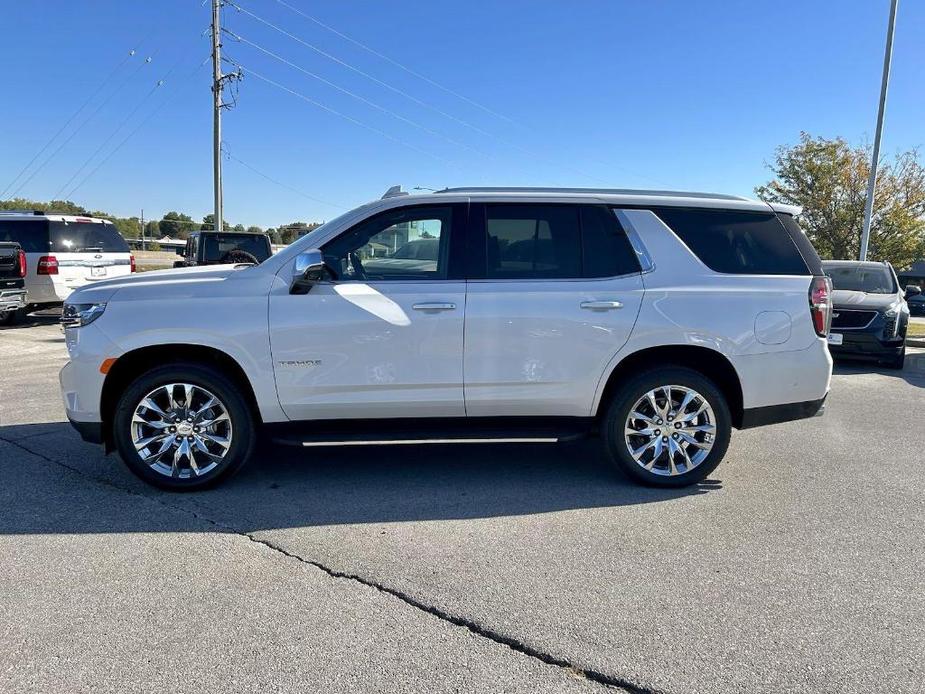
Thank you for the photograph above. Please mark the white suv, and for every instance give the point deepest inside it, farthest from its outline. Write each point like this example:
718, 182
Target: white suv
64, 252
659, 321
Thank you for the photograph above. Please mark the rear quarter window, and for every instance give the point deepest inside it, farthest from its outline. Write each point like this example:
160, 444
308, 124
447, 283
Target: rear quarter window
31, 235
736, 242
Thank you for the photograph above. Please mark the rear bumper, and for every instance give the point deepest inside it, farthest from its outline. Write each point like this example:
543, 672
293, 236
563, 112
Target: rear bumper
775, 414
12, 299
91, 432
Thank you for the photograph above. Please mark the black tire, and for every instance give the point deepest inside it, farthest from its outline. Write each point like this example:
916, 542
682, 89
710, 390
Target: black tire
242, 421
618, 411
238, 256
9, 317
898, 361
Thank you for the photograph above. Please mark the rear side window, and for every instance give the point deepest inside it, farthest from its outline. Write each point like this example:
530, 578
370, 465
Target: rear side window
734, 242
532, 241
86, 237
538, 241
605, 250
215, 248
31, 235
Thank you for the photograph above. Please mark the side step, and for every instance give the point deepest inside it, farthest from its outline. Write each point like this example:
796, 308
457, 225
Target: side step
402, 432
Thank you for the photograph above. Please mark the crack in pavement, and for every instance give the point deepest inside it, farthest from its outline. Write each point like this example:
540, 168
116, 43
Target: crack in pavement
474, 627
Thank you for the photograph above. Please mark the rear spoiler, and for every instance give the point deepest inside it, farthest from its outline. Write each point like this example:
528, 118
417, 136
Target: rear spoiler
792, 210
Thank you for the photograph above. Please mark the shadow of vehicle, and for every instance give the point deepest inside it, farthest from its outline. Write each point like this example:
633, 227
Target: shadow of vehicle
49, 317
913, 372
288, 488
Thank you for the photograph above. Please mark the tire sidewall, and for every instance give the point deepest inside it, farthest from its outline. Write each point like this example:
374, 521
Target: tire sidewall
242, 422
626, 398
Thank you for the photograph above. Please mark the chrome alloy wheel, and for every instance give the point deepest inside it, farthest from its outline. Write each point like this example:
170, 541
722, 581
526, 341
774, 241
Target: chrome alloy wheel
181, 430
670, 430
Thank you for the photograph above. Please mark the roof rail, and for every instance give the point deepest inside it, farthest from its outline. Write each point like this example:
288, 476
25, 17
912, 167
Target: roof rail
393, 192
594, 191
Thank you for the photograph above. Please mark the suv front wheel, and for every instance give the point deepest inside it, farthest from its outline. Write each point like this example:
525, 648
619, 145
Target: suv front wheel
667, 427
183, 427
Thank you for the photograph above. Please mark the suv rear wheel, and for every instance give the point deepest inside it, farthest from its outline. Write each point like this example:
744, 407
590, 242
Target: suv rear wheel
183, 427
668, 427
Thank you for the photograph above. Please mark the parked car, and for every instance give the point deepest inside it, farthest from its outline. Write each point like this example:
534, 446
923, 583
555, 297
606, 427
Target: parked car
915, 300
660, 321
12, 282
870, 315
225, 248
64, 252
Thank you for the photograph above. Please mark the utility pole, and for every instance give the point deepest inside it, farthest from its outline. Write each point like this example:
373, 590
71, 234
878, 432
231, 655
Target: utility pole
217, 83
143, 226
875, 156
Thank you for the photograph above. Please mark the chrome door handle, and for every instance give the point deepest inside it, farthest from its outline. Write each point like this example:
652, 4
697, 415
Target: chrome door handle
601, 305
434, 306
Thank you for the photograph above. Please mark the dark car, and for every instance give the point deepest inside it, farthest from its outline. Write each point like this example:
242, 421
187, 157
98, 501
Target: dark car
223, 248
12, 281
870, 315
915, 300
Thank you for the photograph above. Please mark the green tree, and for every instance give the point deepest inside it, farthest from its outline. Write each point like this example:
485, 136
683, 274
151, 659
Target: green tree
238, 227
208, 223
290, 232
274, 236
254, 230
828, 179
152, 229
176, 225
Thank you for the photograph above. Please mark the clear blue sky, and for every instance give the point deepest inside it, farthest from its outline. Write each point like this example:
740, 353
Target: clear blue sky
689, 95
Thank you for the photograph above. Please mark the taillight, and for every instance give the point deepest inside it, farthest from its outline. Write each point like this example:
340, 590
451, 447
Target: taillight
131, 262
22, 263
820, 304
48, 265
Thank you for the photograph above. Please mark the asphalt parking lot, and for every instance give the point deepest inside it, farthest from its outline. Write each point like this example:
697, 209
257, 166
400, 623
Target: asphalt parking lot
798, 567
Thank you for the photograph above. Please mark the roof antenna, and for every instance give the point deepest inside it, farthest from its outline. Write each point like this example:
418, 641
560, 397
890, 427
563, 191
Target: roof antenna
393, 192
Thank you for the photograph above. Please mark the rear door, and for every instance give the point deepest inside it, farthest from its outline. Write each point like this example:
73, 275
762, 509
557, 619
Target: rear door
88, 251
553, 295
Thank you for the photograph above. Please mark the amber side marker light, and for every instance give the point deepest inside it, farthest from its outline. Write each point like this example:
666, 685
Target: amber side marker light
107, 365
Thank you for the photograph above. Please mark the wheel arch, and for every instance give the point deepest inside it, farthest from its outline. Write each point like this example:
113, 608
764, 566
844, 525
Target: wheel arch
709, 362
135, 362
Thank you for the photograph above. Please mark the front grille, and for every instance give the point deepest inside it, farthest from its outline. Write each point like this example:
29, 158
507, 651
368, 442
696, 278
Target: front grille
843, 318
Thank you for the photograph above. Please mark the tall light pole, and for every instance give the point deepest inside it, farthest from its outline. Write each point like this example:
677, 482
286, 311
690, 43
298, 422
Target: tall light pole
875, 156
217, 112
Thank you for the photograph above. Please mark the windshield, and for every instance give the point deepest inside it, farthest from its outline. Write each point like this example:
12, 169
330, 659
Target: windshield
215, 248
871, 279
86, 237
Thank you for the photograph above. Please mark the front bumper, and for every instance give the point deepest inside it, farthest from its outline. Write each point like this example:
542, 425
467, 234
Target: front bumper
91, 432
882, 337
12, 299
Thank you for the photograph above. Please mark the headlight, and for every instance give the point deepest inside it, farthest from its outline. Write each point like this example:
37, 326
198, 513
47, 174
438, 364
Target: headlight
892, 312
77, 315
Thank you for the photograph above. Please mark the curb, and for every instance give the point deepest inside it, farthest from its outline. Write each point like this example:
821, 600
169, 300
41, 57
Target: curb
910, 342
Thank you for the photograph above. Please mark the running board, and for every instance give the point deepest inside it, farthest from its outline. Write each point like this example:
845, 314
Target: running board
399, 432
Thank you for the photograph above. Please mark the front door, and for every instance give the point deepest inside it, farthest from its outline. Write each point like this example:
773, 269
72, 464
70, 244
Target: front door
556, 296
385, 338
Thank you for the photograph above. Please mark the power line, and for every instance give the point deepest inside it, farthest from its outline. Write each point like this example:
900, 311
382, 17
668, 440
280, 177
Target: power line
351, 119
133, 132
279, 183
88, 119
364, 100
396, 63
358, 70
70, 120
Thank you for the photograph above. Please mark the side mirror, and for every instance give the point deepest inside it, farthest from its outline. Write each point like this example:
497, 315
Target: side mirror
913, 290
309, 270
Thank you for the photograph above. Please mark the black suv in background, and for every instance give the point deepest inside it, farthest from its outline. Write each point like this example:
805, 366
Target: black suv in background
870, 315
12, 281
223, 248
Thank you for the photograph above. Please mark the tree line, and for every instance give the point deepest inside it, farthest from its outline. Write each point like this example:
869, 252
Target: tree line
176, 225
826, 177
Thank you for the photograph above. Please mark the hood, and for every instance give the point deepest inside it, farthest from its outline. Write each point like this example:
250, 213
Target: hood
102, 290
843, 298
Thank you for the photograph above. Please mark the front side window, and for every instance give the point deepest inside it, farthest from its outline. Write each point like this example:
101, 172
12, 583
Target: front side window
405, 244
